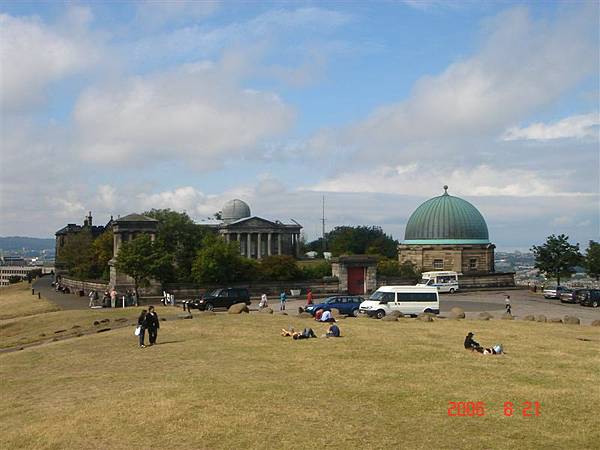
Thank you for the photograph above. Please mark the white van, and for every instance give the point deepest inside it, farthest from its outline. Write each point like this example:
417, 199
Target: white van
443, 281
411, 300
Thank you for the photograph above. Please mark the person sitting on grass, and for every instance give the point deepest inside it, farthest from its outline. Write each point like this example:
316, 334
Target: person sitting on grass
333, 331
471, 344
326, 317
495, 350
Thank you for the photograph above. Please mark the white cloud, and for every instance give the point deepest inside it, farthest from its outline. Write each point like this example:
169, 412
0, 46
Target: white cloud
33, 54
521, 66
479, 181
157, 13
577, 127
197, 113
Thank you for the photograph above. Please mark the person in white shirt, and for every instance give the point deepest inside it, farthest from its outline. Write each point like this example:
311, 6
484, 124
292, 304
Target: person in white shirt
327, 317
263, 301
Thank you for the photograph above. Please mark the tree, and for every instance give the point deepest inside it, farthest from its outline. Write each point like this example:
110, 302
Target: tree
557, 257
393, 268
178, 240
592, 260
103, 252
136, 258
78, 255
358, 240
220, 262
279, 268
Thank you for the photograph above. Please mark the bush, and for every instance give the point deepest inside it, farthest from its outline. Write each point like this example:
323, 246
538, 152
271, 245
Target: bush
14, 279
278, 268
316, 271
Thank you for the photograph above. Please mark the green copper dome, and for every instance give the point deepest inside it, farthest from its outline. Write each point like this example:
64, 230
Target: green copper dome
446, 220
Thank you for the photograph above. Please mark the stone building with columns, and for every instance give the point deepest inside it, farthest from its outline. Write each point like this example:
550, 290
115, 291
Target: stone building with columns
257, 237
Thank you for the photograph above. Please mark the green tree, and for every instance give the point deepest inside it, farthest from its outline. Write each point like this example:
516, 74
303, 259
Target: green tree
78, 255
136, 258
103, 252
178, 240
357, 240
557, 257
393, 268
220, 262
279, 268
592, 260
318, 270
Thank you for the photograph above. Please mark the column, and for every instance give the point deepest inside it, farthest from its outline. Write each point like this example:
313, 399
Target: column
248, 245
258, 246
227, 238
269, 237
279, 243
297, 245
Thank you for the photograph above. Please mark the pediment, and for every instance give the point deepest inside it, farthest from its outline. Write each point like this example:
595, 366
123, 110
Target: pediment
253, 222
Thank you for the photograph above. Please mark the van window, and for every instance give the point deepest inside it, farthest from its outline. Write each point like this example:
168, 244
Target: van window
383, 296
417, 297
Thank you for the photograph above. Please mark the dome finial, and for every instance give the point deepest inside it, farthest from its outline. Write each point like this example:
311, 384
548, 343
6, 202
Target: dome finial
445, 189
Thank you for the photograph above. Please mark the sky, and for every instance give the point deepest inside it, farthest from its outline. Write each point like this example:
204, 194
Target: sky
120, 107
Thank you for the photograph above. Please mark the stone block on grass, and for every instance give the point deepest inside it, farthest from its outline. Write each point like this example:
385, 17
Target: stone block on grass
541, 318
529, 317
596, 323
507, 316
457, 313
555, 320
571, 320
266, 311
238, 308
485, 316
389, 318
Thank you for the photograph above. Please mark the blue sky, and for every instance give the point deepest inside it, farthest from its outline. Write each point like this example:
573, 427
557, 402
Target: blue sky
123, 106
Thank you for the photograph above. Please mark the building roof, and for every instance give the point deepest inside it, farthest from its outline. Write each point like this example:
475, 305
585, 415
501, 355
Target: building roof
135, 218
446, 220
234, 210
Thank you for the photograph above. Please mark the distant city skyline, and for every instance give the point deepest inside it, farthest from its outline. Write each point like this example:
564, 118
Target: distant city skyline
121, 107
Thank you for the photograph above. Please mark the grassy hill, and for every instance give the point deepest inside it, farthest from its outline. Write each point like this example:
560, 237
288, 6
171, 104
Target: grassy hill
19, 242
228, 381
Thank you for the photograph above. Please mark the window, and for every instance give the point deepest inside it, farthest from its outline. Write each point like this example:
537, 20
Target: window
383, 296
416, 297
438, 263
473, 264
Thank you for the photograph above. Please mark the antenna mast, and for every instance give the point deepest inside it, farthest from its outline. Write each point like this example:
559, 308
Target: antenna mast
323, 223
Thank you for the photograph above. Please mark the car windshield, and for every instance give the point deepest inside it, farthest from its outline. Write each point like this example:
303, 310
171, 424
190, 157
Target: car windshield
331, 300
426, 281
214, 293
377, 295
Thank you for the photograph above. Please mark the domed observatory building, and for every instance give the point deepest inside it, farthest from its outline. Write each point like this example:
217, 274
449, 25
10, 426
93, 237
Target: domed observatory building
447, 233
258, 237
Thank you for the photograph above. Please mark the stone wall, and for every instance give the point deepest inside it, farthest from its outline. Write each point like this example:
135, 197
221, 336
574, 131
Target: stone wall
76, 285
489, 280
455, 257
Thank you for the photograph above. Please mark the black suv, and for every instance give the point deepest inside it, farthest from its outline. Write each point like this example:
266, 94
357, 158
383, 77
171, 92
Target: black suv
220, 298
589, 297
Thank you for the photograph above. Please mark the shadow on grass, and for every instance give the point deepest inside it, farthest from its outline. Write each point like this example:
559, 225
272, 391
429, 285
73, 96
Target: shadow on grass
168, 342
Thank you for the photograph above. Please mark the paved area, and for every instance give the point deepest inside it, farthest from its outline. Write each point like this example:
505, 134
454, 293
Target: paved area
523, 303
63, 301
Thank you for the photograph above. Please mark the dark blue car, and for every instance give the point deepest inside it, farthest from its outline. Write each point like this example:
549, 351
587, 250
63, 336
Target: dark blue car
346, 304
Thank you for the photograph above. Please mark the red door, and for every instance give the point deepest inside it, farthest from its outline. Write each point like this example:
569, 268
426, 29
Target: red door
356, 280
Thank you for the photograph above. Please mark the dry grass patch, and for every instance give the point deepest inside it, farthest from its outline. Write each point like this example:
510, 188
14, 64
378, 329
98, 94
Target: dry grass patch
16, 301
228, 381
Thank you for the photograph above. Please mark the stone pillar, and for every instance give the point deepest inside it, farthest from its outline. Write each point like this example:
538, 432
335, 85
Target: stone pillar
269, 243
297, 245
258, 246
227, 238
248, 245
279, 244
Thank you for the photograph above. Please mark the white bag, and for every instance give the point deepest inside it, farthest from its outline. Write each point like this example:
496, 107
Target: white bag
138, 330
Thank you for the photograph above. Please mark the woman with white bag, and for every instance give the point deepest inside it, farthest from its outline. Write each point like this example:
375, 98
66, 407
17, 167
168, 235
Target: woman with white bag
141, 329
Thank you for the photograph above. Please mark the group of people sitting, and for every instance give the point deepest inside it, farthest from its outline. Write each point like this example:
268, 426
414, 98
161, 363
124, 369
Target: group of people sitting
471, 344
324, 316
332, 331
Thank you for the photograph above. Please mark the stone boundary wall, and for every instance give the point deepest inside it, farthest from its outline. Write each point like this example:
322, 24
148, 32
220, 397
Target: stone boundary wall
87, 286
319, 288
487, 280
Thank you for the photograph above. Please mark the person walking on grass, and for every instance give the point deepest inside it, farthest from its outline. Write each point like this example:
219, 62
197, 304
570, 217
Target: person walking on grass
152, 324
263, 301
507, 305
282, 300
142, 327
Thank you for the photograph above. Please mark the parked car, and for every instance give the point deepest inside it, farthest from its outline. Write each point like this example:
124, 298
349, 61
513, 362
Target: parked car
220, 298
589, 297
555, 292
569, 297
346, 304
